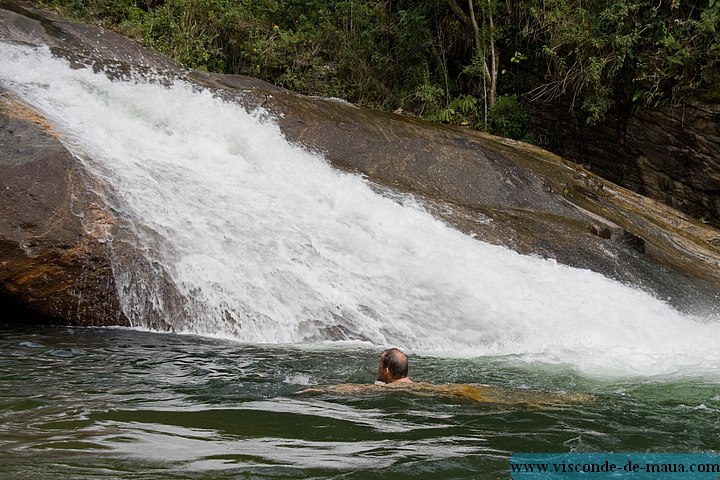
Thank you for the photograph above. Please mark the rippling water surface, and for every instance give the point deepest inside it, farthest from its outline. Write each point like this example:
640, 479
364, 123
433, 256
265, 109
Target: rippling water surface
116, 403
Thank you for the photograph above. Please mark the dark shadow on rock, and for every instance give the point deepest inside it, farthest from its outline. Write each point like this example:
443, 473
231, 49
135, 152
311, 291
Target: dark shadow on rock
670, 154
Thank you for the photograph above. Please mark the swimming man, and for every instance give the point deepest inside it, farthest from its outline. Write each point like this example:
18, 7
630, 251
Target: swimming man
392, 367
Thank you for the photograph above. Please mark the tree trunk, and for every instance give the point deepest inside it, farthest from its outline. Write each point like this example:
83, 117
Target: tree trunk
494, 60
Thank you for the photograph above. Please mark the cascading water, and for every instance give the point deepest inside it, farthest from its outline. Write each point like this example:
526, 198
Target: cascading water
266, 243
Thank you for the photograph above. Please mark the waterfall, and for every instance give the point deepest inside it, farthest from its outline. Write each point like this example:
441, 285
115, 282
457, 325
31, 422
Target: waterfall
267, 243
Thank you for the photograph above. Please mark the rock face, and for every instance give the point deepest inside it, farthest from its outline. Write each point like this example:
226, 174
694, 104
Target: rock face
54, 233
671, 155
59, 248
66, 256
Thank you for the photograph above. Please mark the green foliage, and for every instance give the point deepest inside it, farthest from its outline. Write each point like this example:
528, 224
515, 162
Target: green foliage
462, 110
509, 117
425, 56
426, 99
103, 12
624, 51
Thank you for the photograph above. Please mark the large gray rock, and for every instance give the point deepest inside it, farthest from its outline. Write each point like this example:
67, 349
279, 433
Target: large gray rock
61, 245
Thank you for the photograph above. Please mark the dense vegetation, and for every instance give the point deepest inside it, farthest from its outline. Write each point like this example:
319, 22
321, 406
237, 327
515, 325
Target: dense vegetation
480, 63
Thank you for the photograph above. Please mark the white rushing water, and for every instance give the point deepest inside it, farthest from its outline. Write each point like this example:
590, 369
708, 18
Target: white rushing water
267, 243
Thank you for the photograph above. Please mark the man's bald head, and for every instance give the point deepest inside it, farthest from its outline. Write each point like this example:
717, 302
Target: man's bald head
393, 366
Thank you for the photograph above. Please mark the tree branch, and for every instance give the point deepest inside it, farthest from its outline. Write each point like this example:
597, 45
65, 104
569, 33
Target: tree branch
459, 12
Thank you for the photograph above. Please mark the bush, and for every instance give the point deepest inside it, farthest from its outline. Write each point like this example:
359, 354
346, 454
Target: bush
509, 117
422, 55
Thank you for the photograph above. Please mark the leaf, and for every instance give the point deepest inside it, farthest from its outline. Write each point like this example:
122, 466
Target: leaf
638, 95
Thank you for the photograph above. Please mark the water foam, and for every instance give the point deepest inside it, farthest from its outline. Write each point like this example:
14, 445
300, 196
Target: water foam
269, 244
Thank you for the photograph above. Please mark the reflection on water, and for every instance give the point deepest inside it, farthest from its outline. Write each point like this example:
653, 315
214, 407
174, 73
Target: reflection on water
113, 403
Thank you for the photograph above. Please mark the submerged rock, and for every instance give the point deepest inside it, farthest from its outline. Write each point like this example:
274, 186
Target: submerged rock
67, 257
